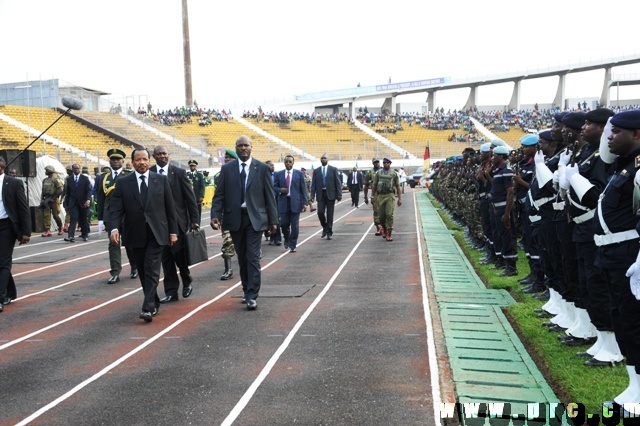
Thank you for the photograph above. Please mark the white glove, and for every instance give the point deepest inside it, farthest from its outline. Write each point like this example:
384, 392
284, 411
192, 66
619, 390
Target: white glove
539, 157
637, 180
570, 171
634, 279
556, 178
100, 226
565, 156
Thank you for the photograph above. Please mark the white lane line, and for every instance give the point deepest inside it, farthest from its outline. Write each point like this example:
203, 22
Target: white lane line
120, 360
70, 246
431, 345
235, 412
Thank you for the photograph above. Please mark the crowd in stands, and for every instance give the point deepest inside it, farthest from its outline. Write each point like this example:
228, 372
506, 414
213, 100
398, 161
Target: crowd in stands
288, 117
186, 115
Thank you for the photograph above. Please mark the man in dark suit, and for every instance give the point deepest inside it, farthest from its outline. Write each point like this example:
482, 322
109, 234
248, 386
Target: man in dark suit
15, 224
355, 184
245, 196
290, 186
77, 199
144, 200
187, 209
326, 188
106, 185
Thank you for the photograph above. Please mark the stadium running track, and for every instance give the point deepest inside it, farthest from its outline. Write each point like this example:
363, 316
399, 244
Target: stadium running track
342, 335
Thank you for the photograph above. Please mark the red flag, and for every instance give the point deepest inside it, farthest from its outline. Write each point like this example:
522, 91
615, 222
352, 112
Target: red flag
427, 155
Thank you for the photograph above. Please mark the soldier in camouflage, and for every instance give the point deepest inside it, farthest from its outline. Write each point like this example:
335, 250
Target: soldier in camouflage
50, 202
228, 249
368, 181
385, 183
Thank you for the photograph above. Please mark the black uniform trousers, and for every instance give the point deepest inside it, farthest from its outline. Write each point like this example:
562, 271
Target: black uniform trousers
78, 213
506, 237
594, 291
355, 194
564, 232
552, 254
530, 244
485, 220
115, 255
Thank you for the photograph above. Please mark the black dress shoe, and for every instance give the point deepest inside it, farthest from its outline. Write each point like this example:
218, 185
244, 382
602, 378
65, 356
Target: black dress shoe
147, 316
1, 307
70, 240
169, 299
186, 291
545, 315
597, 363
577, 341
6, 301
155, 312
244, 300
329, 235
114, 279
324, 234
293, 250
85, 238
584, 354
556, 328
278, 243
528, 279
251, 305
134, 274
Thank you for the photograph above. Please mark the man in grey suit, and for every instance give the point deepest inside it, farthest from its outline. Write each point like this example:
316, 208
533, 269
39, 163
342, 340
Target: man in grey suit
244, 200
355, 184
290, 186
188, 214
326, 188
15, 224
145, 202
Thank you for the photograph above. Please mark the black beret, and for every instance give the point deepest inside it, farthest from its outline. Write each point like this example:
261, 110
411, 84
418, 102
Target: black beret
629, 120
546, 135
600, 115
575, 120
558, 117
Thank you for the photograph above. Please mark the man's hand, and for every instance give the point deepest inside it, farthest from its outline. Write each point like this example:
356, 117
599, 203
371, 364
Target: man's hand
399, 202
115, 237
87, 203
195, 226
273, 229
304, 209
634, 279
284, 191
25, 239
506, 220
539, 157
172, 239
339, 198
200, 200
565, 157
215, 224
569, 172
366, 200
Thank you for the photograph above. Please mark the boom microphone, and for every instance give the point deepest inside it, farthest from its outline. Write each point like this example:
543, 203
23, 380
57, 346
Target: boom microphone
72, 102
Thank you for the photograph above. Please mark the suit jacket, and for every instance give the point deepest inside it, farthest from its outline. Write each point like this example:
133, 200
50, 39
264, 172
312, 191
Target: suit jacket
261, 204
77, 195
334, 184
359, 182
183, 196
159, 212
104, 197
297, 192
15, 203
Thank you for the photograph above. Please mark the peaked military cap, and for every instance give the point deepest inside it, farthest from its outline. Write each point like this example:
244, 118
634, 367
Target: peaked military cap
546, 135
575, 120
193, 163
231, 153
117, 153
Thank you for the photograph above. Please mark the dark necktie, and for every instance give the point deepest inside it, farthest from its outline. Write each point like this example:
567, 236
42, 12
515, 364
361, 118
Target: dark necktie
76, 180
324, 177
115, 175
144, 189
243, 178
161, 171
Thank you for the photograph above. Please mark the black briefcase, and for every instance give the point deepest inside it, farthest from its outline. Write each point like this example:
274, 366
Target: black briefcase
196, 244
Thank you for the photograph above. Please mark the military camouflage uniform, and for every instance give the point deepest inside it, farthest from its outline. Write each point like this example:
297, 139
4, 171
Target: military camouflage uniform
386, 183
51, 190
368, 183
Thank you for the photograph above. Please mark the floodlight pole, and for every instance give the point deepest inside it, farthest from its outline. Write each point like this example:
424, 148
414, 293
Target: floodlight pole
187, 55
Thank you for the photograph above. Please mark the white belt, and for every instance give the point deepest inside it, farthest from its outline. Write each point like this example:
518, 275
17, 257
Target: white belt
534, 219
542, 201
584, 217
578, 206
504, 203
618, 237
558, 206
